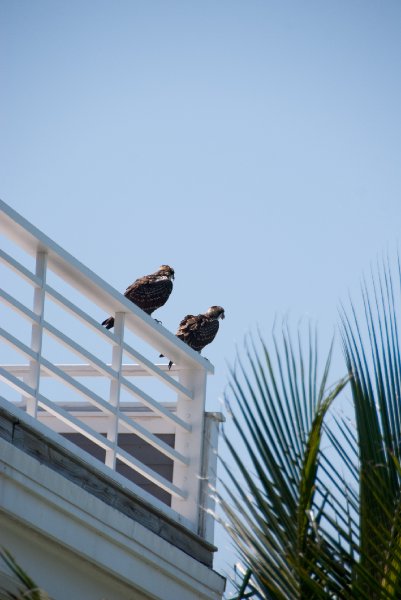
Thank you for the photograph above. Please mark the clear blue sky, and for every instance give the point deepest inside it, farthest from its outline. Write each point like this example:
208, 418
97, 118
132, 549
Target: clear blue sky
254, 146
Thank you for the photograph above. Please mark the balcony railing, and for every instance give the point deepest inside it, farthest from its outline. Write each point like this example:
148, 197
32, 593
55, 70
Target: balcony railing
115, 388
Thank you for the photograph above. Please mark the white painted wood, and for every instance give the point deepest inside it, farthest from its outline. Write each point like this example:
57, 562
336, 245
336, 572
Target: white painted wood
185, 419
28, 237
73, 423
80, 427
128, 424
102, 441
148, 366
115, 386
16, 266
16, 384
80, 314
156, 371
151, 475
69, 343
17, 306
190, 444
75, 385
20, 347
152, 423
154, 405
75, 546
209, 475
108, 408
86, 370
33, 378
90, 460
55, 568
104, 369
57, 372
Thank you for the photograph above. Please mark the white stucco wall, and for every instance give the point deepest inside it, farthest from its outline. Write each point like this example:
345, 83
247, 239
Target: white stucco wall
76, 546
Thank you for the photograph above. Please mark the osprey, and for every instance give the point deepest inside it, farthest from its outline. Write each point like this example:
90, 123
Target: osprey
198, 331
149, 292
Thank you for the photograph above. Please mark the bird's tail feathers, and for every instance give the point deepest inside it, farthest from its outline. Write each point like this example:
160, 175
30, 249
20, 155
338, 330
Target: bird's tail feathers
108, 323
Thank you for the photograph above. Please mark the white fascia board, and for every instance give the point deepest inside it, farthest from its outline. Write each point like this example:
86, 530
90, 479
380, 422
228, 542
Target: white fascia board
58, 509
27, 236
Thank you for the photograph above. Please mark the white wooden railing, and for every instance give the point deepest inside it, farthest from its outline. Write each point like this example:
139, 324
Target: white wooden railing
177, 402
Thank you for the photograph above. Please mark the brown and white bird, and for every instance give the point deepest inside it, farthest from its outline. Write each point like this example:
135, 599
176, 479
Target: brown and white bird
200, 330
149, 292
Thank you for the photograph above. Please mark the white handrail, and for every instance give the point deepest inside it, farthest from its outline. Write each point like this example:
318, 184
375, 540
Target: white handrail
86, 370
31, 239
53, 370
185, 421
17, 267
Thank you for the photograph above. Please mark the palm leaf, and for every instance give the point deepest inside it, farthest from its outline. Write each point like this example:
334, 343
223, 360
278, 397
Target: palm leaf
312, 522
29, 589
273, 510
372, 353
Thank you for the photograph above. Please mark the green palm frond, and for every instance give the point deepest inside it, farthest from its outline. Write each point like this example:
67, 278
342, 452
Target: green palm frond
29, 589
274, 508
308, 521
373, 358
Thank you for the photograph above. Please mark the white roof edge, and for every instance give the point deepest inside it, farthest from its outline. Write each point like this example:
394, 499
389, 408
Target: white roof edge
29, 237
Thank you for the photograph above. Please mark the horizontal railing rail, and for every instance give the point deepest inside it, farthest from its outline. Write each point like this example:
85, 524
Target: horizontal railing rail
63, 264
183, 416
86, 370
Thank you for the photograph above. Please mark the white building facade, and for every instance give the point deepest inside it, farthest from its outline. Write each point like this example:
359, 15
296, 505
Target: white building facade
106, 458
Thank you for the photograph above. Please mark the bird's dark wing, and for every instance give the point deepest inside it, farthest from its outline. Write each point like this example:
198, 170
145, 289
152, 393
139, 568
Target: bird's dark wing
197, 331
184, 321
108, 323
149, 292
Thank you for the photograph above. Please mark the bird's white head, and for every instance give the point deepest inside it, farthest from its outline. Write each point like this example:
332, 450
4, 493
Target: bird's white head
166, 271
215, 312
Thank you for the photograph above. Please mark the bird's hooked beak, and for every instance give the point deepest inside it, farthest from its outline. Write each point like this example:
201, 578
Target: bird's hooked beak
222, 316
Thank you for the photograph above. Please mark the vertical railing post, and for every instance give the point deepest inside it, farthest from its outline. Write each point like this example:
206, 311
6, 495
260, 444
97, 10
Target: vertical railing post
190, 444
33, 378
115, 388
209, 475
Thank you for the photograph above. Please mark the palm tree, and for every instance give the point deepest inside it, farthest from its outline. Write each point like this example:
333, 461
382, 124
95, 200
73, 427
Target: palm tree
312, 500
28, 589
